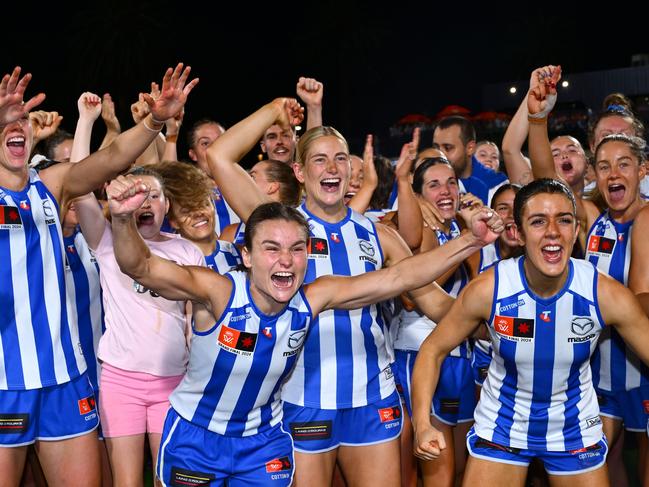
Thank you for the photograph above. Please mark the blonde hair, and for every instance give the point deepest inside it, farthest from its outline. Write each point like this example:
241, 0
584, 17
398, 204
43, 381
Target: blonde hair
313, 134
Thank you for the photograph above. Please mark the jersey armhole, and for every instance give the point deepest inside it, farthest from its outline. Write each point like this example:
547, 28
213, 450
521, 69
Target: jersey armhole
218, 320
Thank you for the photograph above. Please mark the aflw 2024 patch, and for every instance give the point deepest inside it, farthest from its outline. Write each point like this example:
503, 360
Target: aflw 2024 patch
10, 217
516, 329
235, 341
600, 245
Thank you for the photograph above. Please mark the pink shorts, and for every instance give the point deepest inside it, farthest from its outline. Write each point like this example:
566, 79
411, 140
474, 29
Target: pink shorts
132, 403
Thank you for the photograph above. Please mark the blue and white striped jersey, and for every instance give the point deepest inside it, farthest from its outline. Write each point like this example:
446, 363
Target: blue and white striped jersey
345, 362
82, 279
489, 256
236, 369
414, 327
224, 258
39, 339
224, 214
615, 366
538, 393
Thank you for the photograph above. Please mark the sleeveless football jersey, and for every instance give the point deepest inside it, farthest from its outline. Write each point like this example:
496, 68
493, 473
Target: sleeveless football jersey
615, 366
224, 258
538, 393
82, 279
39, 341
224, 214
236, 369
345, 362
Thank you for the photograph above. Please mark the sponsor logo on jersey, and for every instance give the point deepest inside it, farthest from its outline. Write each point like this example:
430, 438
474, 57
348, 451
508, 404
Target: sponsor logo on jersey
335, 237
507, 307
13, 423
241, 317
594, 421
86, 405
295, 341
387, 373
24, 205
267, 332
368, 249
236, 341
311, 430
49, 212
582, 326
545, 316
318, 248
515, 329
10, 217
278, 464
389, 414
600, 245
182, 478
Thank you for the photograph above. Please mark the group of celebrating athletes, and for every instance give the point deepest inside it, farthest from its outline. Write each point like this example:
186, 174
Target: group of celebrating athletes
265, 327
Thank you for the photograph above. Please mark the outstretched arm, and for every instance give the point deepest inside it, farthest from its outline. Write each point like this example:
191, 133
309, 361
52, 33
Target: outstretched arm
411, 273
68, 181
472, 305
172, 281
310, 92
223, 155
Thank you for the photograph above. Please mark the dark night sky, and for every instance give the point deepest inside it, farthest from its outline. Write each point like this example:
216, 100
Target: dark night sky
377, 63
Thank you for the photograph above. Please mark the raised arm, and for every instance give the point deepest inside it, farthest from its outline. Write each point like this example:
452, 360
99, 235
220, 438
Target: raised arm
89, 106
472, 305
91, 218
12, 92
172, 281
410, 273
223, 155
360, 202
310, 92
409, 214
113, 128
517, 166
171, 137
541, 98
139, 111
67, 181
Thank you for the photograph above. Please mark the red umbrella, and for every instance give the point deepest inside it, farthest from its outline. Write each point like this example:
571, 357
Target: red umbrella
414, 119
452, 110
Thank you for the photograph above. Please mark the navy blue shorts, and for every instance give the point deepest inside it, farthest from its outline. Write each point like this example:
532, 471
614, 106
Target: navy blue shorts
454, 399
320, 430
48, 414
631, 407
555, 462
480, 361
192, 455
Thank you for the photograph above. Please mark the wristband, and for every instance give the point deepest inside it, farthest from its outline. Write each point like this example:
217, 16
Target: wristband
537, 120
150, 129
171, 138
157, 122
550, 100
